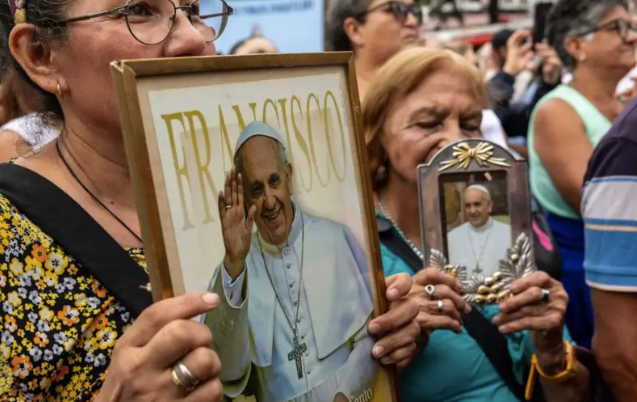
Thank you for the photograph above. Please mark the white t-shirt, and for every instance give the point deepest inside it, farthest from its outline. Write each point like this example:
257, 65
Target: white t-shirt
492, 128
26, 125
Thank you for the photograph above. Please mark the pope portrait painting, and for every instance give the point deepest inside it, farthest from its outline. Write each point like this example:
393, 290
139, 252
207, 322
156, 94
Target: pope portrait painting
481, 242
295, 294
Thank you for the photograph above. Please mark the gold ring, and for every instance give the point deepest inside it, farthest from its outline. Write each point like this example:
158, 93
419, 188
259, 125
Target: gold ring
176, 379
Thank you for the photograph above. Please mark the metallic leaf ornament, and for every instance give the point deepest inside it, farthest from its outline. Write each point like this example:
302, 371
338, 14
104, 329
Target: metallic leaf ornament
480, 289
463, 154
438, 260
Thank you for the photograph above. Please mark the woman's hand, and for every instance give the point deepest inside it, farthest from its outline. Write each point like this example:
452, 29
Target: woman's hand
539, 304
443, 312
398, 327
143, 358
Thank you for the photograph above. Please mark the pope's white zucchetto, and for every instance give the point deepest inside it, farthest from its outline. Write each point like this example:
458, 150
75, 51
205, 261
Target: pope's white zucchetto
480, 187
257, 128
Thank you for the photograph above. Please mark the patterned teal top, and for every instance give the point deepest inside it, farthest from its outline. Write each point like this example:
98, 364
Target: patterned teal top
453, 368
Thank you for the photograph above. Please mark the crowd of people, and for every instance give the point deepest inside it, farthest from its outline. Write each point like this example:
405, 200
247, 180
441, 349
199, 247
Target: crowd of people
566, 104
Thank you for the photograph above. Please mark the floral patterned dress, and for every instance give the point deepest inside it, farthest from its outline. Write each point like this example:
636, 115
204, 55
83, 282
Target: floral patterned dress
58, 324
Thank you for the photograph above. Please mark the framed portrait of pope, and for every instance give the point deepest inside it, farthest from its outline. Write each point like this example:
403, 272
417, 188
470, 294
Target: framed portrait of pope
251, 176
476, 217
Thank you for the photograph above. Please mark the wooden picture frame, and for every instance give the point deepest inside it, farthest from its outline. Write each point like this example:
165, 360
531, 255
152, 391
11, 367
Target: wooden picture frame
476, 217
180, 120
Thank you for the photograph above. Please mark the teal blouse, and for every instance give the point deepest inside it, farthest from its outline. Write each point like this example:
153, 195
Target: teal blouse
453, 368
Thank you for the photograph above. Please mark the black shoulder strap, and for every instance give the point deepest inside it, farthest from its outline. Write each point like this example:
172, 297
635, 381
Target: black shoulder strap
491, 341
60, 217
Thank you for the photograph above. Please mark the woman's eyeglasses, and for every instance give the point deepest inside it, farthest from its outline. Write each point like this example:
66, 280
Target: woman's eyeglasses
151, 22
399, 9
622, 27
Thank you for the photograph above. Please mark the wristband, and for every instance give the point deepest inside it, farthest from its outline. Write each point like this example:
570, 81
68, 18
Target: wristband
569, 372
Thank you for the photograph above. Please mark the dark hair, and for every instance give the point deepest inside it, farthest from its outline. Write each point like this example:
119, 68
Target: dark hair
335, 37
569, 18
44, 14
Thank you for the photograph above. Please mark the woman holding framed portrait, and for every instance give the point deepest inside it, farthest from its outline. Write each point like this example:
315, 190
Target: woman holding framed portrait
74, 290
419, 102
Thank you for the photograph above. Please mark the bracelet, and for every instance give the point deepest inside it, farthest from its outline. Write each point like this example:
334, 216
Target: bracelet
569, 372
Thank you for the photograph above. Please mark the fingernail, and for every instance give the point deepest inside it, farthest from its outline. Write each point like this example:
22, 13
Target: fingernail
392, 294
467, 309
211, 299
373, 328
385, 361
377, 351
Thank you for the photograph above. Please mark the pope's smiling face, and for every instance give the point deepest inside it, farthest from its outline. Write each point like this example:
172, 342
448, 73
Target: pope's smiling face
477, 207
267, 184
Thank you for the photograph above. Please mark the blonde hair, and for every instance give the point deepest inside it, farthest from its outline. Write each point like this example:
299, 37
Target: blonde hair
399, 77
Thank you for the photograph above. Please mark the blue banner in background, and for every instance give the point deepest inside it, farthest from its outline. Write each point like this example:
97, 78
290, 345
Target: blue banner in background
293, 26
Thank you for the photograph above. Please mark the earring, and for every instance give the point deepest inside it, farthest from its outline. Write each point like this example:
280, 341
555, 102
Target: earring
381, 173
582, 58
60, 91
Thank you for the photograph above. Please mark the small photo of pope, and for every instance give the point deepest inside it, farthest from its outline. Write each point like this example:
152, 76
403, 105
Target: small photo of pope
478, 226
298, 294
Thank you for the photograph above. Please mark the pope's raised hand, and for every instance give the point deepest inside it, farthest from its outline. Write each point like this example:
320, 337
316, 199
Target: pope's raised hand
235, 226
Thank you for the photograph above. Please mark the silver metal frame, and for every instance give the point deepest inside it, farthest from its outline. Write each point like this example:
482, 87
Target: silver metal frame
478, 156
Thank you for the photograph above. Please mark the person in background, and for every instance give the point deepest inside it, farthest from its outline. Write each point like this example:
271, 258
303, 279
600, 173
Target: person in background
402, 132
595, 39
515, 76
491, 127
430, 42
464, 49
255, 44
77, 317
610, 218
16, 134
374, 30
503, 49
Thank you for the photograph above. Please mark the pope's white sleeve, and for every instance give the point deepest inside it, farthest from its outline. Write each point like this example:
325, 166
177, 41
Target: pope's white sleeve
230, 330
233, 290
359, 372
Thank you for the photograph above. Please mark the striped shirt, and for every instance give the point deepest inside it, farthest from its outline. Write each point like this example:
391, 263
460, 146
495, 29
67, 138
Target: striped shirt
609, 208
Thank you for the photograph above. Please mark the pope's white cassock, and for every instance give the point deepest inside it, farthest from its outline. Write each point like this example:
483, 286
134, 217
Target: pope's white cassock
250, 326
481, 247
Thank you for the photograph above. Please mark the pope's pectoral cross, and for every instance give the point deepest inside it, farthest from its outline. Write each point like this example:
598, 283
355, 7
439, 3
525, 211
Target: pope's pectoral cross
296, 354
478, 270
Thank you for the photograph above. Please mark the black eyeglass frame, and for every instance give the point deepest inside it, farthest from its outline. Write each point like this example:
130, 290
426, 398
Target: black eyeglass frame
402, 16
121, 12
617, 25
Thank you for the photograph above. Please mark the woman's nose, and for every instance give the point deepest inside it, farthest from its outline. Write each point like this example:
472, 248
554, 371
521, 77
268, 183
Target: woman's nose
186, 40
451, 134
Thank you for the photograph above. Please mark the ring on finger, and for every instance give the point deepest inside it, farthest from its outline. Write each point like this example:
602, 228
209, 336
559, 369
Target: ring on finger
431, 292
228, 206
182, 377
440, 306
546, 296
